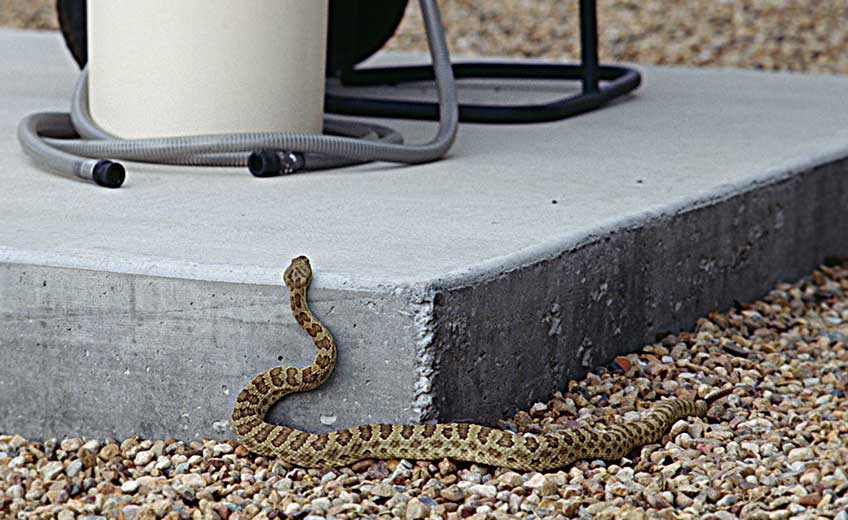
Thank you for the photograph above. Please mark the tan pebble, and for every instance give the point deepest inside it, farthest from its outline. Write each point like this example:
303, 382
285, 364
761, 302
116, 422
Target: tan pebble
87, 457
50, 470
550, 505
70, 445
57, 496
682, 500
416, 510
446, 467
383, 490
222, 448
751, 447
678, 428
452, 493
810, 477
812, 499
449, 480
108, 452
535, 481
16, 442
362, 465
617, 489
193, 480
800, 454
106, 488
548, 488
575, 476
511, 479
538, 410
128, 444
482, 490
670, 470
241, 451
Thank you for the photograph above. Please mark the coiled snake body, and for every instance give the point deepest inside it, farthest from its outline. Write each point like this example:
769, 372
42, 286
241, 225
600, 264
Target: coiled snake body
459, 441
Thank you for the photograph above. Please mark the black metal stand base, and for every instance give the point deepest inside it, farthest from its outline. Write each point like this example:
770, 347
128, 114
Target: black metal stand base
617, 82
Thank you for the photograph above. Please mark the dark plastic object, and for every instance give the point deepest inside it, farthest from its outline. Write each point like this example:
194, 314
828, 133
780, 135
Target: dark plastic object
357, 29
72, 21
109, 174
617, 82
270, 163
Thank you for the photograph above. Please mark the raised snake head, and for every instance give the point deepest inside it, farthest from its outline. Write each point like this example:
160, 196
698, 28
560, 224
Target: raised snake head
298, 274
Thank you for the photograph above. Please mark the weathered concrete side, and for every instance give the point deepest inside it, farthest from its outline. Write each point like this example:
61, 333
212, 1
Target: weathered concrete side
104, 354
508, 341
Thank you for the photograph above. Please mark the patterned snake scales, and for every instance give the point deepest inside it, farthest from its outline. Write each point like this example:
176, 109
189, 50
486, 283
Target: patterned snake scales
459, 441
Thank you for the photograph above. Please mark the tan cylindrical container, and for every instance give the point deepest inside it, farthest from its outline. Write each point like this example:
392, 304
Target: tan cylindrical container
183, 67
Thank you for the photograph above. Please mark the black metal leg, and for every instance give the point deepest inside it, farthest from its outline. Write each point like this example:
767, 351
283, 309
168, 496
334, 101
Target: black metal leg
589, 44
617, 80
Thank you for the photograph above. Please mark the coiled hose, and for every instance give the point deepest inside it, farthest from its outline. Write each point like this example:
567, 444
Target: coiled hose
73, 144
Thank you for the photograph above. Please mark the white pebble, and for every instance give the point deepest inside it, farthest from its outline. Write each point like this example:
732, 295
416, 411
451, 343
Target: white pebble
484, 490
130, 486
142, 458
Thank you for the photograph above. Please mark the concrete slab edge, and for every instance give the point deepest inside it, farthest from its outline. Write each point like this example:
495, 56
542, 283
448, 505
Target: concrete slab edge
827, 153
553, 320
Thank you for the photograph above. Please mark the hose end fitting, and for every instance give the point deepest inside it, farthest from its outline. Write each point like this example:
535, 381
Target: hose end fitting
268, 163
108, 174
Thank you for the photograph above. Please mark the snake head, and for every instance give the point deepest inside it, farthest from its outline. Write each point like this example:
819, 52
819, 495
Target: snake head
298, 274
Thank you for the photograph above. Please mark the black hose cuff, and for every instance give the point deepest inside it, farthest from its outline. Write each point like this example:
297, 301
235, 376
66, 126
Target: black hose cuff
268, 163
109, 174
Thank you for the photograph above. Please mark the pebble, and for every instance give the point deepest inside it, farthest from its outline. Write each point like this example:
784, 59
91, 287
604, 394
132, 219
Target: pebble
70, 445
193, 480
452, 493
321, 503
799, 454
538, 410
74, 468
50, 470
510, 479
415, 509
130, 486
383, 490
108, 452
483, 490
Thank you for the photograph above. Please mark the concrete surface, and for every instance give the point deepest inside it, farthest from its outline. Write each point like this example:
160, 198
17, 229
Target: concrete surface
456, 290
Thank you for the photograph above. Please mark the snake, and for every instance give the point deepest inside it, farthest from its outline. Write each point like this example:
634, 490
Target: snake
458, 441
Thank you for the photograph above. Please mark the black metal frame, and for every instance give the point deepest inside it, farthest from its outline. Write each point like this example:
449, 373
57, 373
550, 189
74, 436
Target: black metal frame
617, 80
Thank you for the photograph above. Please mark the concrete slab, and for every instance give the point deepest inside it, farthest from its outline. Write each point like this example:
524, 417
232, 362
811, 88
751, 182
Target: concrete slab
456, 290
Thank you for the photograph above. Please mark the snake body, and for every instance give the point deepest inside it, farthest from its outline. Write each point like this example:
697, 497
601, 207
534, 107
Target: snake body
459, 441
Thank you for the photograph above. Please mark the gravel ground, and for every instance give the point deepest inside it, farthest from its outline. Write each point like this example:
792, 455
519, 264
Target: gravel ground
809, 35
801, 35
775, 449
28, 14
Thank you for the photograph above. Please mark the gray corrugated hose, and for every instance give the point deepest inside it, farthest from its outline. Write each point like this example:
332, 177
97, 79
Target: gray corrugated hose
73, 144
